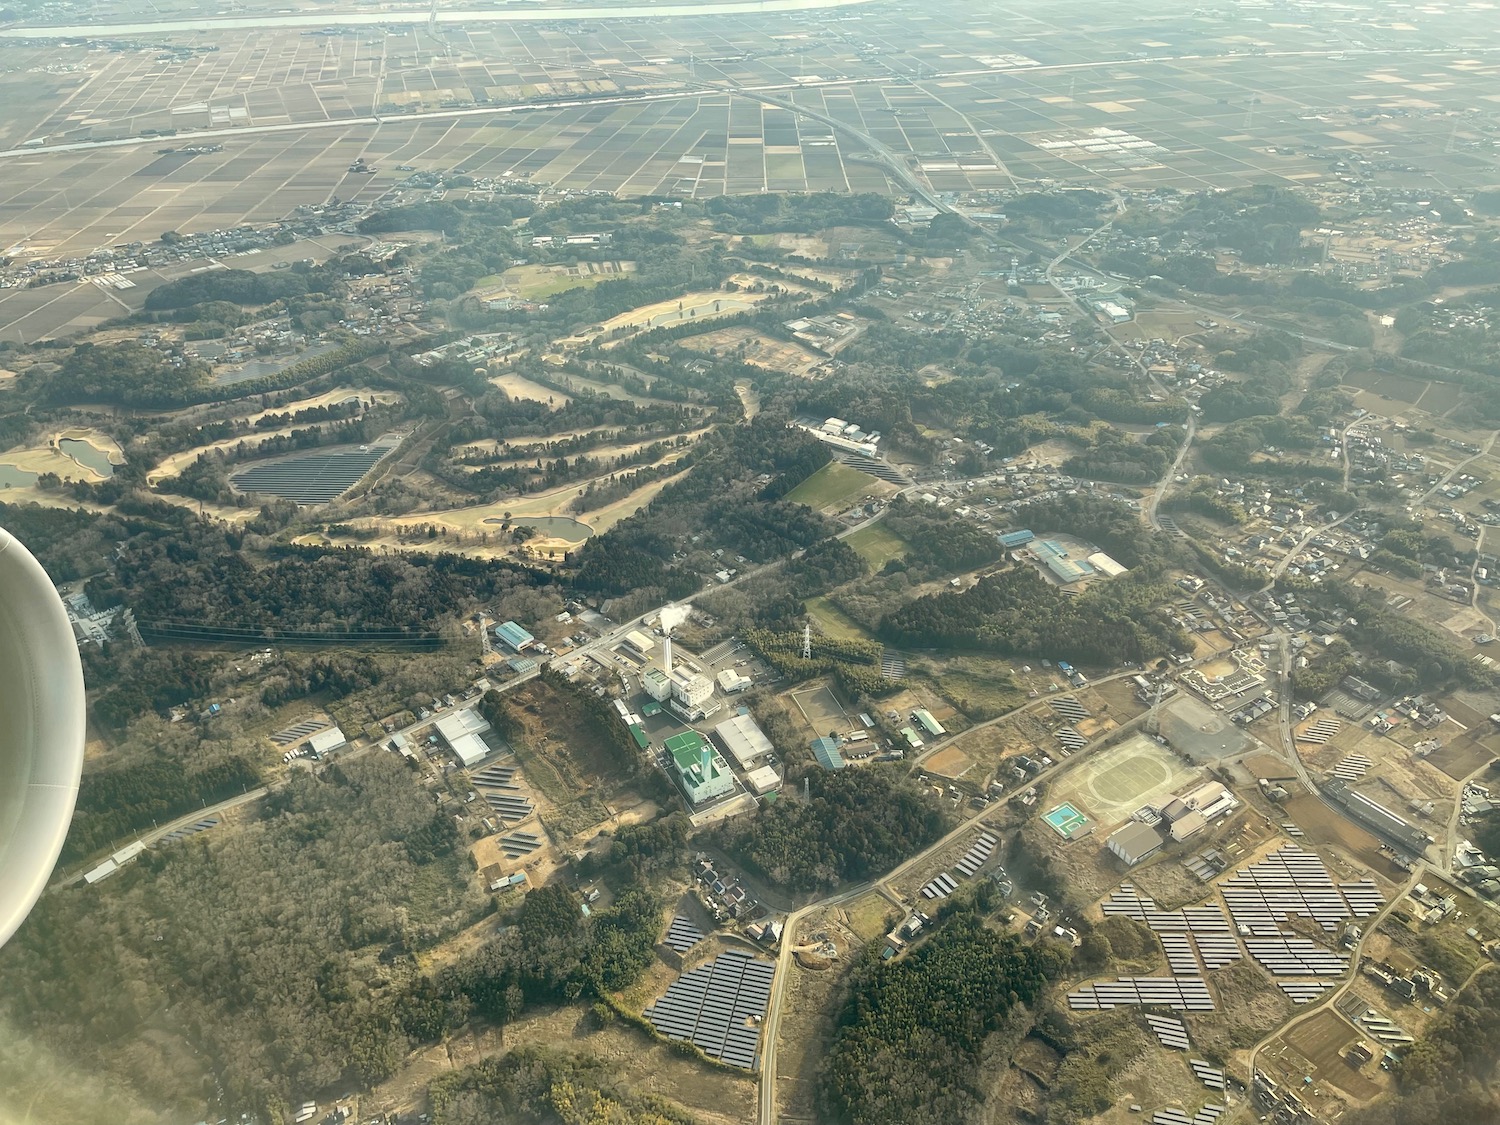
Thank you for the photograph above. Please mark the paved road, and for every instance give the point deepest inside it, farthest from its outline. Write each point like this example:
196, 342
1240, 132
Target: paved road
1170, 475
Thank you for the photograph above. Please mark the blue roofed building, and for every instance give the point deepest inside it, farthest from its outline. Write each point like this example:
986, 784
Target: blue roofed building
1016, 538
513, 635
826, 751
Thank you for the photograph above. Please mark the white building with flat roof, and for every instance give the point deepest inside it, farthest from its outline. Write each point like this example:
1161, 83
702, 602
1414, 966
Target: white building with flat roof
742, 737
763, 780
461, 730
326, 742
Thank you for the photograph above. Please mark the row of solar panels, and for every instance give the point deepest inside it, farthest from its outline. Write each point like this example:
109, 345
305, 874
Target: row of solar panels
1172, 1033
1205, 1116
1182, 993
682, 935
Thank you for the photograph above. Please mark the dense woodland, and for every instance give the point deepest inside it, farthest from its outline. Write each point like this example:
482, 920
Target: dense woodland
274, 951
856, 824
1017, 612
914, 1031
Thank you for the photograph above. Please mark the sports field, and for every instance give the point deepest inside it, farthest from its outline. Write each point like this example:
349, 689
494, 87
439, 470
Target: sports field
877, 545
1125, 777
834, 485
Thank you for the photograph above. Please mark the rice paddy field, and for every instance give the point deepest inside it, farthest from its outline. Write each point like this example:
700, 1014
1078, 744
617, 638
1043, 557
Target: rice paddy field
968, 98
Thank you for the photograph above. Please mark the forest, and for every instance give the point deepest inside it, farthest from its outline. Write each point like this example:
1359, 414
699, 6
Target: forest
1449, 1074
1018, 612
537, 1086
856, 824
914, 1030
266, 963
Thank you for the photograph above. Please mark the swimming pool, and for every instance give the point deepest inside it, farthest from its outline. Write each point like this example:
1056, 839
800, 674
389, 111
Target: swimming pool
1066, 820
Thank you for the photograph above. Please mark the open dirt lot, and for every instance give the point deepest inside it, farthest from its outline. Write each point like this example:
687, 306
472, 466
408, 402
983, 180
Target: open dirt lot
1322, 1041
1324, 826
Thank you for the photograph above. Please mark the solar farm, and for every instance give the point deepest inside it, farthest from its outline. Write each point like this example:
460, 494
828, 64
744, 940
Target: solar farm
314, 477
1260, 900
718, 1007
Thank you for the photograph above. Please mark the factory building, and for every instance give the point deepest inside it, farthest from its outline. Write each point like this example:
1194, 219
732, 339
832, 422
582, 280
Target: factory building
731, 681
1013, 539
326, 742
1054, 556
514, 636
658, 685
692, 692
701, 772
461, 730
639, 642
742, 737
826, 751
925, 720
763, 780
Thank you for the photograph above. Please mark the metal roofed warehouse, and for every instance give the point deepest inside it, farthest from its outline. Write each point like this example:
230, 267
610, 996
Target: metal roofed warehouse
515, 636
744, 740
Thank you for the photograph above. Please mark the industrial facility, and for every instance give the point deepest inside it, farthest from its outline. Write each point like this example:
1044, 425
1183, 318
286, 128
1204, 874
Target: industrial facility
461, 730
701, 772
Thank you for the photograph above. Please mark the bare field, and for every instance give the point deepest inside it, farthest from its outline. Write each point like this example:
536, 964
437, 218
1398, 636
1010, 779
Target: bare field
1322, 1041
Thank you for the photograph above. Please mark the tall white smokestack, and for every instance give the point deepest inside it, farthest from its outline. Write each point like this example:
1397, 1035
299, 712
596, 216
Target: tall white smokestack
666, 654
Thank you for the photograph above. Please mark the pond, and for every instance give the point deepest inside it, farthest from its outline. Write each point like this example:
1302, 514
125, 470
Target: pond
551, 527
88, 455
12, 477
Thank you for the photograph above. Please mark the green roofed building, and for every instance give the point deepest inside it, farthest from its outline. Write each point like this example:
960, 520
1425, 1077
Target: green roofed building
826, 751
701, 772
638, 733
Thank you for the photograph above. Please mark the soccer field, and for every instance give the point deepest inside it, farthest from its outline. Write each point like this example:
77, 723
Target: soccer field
1127, 776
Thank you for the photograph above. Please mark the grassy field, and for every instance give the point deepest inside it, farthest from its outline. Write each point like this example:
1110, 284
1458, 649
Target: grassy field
835, 484
979, 686
877, 545
834, 622
870, 916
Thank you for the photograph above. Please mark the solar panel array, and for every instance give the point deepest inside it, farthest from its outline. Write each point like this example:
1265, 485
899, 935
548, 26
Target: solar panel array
1363, 897
1126, 902
192, 829
1217, 950
506, 797
941, 887
1180, 955
1069, 708
1172, 1032
313, 477
1295, 957
1286, 882
1071, 740
1290, 881
974, 858
519, 844
1352, 768
713, 1007
682, 935
1210, 1076
298, 731
1172, 1116
1383, 1029
1305, 991
1321, 731
1183, 994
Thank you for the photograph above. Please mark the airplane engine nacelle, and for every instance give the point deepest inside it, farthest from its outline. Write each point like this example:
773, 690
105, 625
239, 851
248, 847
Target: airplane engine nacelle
42, 722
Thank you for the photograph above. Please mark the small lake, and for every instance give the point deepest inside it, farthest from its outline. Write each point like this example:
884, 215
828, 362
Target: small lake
12, 477
551, 527
88, 455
